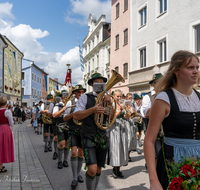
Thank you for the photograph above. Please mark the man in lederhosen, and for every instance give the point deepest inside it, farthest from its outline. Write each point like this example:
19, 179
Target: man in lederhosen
75, 136
54, 128
62, 131
94, 139
40, 122
47, 127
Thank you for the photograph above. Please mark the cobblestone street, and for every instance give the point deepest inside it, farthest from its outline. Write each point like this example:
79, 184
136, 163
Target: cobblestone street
34, 169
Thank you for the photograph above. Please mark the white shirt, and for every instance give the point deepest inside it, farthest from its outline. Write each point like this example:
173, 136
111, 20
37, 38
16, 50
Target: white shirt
51, 108
8, 114
68, 110
146, 102
82, 102
41, 107
56, 108
186, 103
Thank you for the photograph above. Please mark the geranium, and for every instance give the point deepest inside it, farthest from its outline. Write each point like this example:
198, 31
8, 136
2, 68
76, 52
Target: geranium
6, 87
185, 175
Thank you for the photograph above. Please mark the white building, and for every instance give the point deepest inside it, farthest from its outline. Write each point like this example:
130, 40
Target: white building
96, 48
159, 28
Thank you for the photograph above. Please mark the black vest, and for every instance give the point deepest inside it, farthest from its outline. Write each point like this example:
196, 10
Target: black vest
60, 120
71, 124
89, 126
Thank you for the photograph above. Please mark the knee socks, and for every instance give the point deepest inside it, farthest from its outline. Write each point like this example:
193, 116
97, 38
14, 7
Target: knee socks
55, 147
60, 153
97, 180
51, 140
66, 153
74, 167
80, 163
45, 140
90, 182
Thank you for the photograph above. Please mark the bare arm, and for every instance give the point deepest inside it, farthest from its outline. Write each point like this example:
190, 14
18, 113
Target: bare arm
57, 114
68, 117
158, 112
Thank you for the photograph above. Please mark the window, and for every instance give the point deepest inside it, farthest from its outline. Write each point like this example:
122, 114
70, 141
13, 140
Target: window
18, 67
10, 83
35, 78
43, 82
143, 57
89, 47
5, 59
125, 69
89, 67
117, 10
97, 38
197, 38
97, 60
93, 64
1, 84
35, 92
23, 75
117, 69
38, 79
6, 81
22, 91
125, 5
162, 6
38, 93
117, 42
93, 43
143, 16
32, 76
162, 51
125, 36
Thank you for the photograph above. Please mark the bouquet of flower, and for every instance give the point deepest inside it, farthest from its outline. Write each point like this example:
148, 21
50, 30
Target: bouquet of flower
185, 175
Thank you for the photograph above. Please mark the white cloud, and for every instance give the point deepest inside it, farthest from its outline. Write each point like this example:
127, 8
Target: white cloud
25, 38
84, 7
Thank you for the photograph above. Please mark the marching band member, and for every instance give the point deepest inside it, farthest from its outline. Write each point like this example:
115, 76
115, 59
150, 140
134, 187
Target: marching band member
75, 136
62, 132
40, 122
94, 139
47, 127
118, 146
54, 128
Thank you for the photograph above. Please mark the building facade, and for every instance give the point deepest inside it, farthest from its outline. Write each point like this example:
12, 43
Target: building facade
159, 29
3, 45
12, 72
31, 83
96, 49
50, 85
120, 41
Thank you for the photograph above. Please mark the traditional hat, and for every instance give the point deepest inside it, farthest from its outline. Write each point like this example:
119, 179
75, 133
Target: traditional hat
58, 94
137, 96
49, 96
40, 102
79, 87
97, 76
155, 77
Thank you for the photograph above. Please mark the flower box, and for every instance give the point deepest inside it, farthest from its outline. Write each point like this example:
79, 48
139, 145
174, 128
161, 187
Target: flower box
11, 88
6, 87
18, 91
15, 90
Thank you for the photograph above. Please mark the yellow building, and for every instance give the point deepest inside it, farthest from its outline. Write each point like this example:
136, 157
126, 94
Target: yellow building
12, 72
50, 85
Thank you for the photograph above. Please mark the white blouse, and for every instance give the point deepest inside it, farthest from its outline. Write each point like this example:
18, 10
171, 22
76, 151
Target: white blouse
8, 114
186, 103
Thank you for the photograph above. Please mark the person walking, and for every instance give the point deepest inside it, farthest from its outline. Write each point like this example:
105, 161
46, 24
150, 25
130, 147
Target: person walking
6, 136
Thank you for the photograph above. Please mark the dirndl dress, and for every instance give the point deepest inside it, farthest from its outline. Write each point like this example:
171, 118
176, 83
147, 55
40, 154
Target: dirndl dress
6, 140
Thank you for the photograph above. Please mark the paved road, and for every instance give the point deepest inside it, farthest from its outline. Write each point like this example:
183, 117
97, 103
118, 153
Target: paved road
34, 169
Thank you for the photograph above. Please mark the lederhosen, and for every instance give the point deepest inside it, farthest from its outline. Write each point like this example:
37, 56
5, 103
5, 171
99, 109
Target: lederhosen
47, 127
94, 140
74, 130
54, 128
39, 118
62, 131
179, 124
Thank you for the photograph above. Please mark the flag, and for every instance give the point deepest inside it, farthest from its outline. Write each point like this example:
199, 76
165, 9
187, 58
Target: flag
81, 57
68, 77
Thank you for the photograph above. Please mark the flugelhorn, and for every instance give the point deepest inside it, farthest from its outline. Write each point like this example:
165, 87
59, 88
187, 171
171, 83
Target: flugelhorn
99, 118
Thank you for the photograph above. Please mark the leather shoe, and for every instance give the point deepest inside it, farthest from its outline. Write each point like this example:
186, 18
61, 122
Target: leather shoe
50, 148
46, 149
138, 151
74, 183
80, 179
120, 174
65, 164
60, 165
55, 156
129, 159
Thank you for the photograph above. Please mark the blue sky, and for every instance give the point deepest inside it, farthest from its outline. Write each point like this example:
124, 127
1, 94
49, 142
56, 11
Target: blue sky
46, 30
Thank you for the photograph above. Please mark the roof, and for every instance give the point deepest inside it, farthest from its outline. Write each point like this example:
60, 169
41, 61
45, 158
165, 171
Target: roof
3, 40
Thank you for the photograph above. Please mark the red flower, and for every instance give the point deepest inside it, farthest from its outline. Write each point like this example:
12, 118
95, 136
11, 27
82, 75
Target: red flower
187, 168
176, 184
6, 87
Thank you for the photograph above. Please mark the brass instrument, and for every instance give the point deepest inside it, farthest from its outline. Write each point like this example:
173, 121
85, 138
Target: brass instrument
132, 115
45, 118
115, 78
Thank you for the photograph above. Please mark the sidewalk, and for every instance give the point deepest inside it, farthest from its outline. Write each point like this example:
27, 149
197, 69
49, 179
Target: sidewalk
26, 172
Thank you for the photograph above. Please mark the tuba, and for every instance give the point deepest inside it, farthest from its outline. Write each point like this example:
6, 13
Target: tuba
45, 118
99, 118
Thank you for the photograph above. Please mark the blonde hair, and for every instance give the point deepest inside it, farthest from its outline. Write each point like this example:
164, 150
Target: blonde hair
116, 91
179, 59
129, 94
3, 101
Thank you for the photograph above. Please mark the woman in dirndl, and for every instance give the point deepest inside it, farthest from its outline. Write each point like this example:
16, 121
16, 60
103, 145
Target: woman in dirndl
6, 136
118, 143
177, 108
